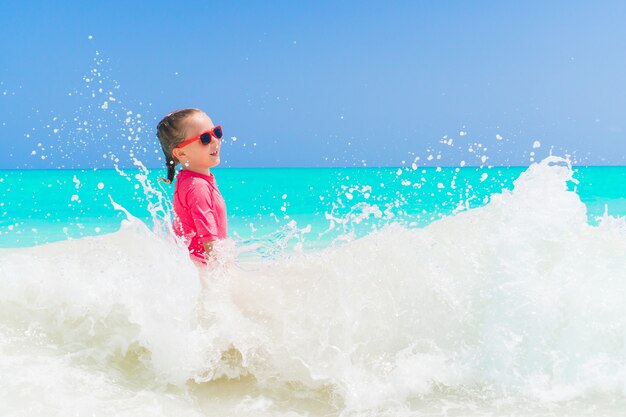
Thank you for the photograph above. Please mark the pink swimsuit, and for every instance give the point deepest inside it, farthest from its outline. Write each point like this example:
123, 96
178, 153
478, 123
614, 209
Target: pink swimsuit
199, 212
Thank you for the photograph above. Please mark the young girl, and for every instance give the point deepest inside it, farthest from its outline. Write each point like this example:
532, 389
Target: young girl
189, 137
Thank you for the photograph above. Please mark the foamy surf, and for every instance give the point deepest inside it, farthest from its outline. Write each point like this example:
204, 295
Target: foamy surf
511, 308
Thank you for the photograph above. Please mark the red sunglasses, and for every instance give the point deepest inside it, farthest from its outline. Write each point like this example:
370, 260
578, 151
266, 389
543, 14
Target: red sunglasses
205, 137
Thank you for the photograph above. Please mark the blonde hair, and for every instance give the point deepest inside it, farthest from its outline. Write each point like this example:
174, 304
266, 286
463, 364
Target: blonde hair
171, 132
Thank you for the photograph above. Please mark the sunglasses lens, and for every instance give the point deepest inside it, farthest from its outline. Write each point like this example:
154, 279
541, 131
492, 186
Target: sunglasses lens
218, 132
205, 138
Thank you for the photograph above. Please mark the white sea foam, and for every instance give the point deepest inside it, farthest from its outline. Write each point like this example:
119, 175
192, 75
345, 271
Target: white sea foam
520, 299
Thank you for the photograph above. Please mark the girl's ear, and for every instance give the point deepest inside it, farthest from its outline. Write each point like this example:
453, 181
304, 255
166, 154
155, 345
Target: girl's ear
177, 153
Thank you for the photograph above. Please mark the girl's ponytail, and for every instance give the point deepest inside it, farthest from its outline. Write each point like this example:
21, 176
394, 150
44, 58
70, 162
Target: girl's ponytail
171, 172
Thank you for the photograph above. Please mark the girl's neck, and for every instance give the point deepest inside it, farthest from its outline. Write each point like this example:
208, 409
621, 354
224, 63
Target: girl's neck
206, 171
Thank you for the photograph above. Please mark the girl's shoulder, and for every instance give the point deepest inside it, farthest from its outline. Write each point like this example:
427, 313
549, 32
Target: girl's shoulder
192, 183
192, 186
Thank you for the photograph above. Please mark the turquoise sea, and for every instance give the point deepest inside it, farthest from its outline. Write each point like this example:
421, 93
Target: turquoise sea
402, 291
41, 206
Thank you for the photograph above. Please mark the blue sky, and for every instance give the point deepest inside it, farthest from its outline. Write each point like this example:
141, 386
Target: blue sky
323, 83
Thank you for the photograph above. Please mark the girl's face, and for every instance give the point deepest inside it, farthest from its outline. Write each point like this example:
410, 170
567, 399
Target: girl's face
196, 156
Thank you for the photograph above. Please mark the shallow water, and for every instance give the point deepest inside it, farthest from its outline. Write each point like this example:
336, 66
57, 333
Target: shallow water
509, 304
